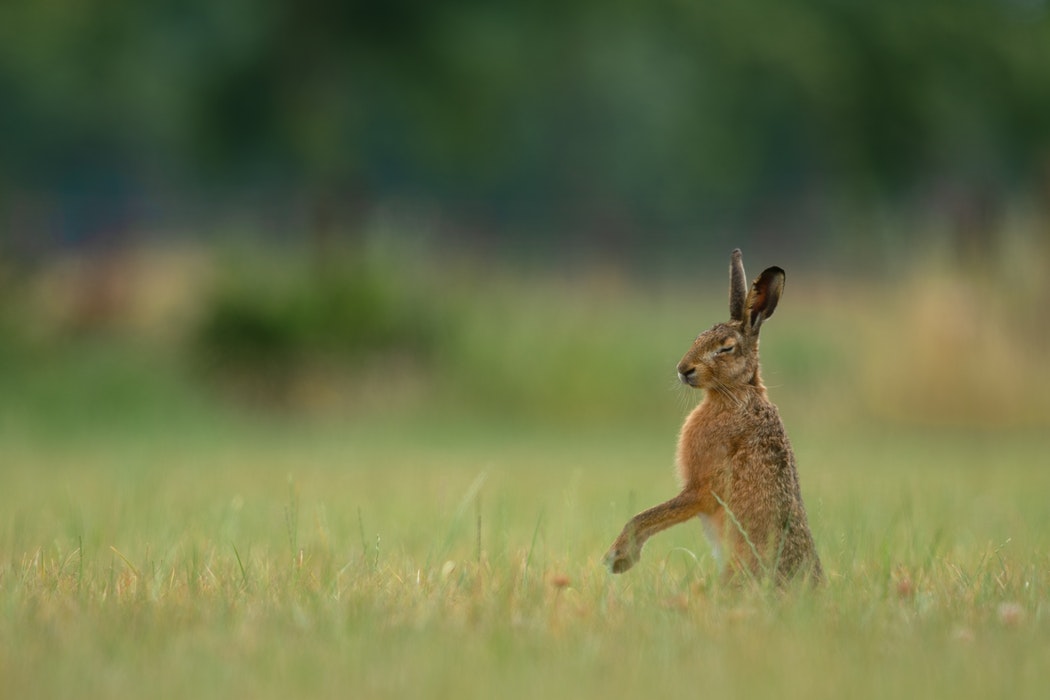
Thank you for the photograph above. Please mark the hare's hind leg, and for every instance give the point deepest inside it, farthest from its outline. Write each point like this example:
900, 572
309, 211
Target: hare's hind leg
627, 548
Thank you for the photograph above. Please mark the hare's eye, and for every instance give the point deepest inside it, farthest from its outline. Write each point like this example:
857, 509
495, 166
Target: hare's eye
727, 348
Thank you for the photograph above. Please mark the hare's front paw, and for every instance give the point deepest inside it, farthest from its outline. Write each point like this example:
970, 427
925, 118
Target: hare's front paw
622, 556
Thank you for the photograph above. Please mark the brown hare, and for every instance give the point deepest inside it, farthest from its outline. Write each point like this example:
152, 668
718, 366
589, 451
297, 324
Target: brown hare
734, 459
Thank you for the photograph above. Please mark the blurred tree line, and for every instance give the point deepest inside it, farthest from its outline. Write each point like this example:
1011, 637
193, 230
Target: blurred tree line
597, 120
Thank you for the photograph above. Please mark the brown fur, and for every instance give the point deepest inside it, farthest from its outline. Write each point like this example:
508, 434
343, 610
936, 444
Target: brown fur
734, 459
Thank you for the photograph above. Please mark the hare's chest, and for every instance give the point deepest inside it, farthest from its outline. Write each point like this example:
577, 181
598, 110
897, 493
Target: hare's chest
705, 449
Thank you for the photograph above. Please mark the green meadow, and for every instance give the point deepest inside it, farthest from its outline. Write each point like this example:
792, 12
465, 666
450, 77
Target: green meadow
432, 525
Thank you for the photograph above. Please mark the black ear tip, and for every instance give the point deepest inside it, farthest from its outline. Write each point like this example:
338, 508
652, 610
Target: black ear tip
736, 253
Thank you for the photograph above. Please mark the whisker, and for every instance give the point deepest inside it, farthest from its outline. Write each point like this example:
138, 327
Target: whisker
725, 391
683, 395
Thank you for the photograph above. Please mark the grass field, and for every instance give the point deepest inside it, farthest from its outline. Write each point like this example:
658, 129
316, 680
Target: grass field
154, 544
466, 562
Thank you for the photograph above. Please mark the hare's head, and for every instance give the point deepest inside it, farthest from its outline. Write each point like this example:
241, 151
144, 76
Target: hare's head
727, 354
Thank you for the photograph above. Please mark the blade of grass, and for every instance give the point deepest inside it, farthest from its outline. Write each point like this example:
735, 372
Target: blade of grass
126, 561
240, 565
532, 547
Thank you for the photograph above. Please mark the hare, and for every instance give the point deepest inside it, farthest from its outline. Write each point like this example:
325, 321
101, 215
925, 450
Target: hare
734, 459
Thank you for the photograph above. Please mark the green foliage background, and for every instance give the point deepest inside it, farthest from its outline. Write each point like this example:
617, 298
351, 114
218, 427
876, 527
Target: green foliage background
591, 122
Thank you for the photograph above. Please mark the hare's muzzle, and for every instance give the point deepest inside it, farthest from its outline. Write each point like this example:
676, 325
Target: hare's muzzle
687, 375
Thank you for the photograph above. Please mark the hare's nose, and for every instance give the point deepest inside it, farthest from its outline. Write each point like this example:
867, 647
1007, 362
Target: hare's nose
686, 374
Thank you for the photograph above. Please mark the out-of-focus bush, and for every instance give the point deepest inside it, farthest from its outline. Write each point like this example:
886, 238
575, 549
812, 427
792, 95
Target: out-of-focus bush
270, 327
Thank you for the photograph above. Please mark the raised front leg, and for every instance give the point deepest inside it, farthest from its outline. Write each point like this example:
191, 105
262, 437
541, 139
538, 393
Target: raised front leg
627, 548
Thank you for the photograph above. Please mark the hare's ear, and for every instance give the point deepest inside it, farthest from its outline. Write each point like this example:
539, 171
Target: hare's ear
763, 298
737, 287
